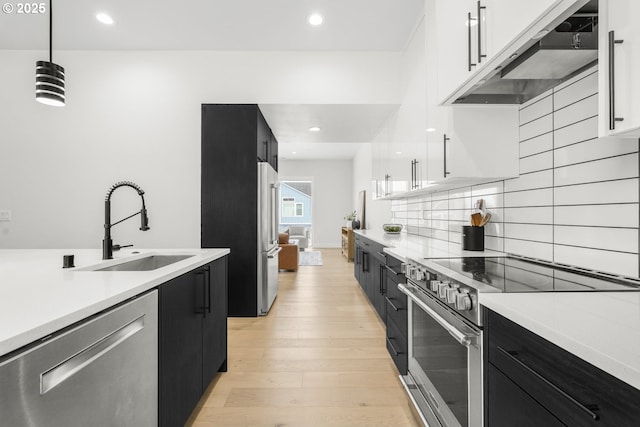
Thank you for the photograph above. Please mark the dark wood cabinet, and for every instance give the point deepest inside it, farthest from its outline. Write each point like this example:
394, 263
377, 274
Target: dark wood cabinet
530, 381
396, 315
234, 138
378, 275
192, 338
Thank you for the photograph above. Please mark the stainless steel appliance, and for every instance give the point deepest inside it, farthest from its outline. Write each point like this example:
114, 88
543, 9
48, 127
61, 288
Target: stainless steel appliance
445, 379
101, 372
268, 248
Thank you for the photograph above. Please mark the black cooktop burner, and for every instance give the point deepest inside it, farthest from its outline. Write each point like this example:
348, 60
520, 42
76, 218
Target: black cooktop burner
511, 274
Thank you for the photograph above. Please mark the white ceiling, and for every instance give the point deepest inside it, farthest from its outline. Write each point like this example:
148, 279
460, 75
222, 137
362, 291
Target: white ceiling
374, 25
245, 25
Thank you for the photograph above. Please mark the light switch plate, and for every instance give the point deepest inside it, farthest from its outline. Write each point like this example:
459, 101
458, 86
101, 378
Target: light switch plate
5, 215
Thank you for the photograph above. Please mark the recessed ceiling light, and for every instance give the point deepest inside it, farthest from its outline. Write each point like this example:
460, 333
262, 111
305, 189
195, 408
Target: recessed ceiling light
398, 152
541, 34
293, 152
315, 19
314, 129
104, 18
431, 129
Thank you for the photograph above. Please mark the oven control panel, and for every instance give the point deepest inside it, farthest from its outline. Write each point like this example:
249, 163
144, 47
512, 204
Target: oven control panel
454, 294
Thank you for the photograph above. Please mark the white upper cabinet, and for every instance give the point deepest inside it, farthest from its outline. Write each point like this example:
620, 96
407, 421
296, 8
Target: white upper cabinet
503, 21
619, 51
474, 37
455, 25
474, 143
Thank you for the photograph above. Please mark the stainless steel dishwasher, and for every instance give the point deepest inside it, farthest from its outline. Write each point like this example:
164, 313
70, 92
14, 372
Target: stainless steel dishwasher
100, 372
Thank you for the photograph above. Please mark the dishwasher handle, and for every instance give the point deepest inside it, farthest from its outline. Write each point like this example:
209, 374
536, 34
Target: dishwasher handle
74, 364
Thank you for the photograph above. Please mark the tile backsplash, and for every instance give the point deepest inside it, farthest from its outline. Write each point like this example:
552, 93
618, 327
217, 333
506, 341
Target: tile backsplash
575, 201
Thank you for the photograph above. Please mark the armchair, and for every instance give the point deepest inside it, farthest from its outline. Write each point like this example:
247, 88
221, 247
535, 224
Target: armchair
301, 234
288, 256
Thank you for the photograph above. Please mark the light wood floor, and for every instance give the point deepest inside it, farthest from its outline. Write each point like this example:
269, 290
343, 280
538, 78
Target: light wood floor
317, 359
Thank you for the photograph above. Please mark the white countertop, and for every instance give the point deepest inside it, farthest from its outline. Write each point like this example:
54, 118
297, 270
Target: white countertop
602, 328
39, 297
403, 246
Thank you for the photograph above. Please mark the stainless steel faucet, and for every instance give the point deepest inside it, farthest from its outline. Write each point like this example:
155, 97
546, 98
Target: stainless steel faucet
107, 243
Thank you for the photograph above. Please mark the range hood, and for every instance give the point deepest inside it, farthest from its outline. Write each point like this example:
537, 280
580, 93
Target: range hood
545, 62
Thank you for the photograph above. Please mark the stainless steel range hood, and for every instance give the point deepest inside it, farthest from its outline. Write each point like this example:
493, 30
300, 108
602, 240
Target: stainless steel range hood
556, 56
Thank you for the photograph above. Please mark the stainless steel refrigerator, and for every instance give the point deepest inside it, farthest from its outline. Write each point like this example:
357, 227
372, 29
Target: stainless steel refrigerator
268, 249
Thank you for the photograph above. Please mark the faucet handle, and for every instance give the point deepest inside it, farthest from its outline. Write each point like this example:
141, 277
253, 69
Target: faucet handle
118, 247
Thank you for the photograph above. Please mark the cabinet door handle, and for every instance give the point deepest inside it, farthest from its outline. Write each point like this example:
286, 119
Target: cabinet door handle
365, 259
445, 154
469, 44
381, 289
511, 355
397, 273
413, 171
392, 304
480, 54
207, 273
393, 348
612, 84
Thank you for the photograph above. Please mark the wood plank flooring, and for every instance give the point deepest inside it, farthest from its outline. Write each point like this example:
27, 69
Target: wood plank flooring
318, 359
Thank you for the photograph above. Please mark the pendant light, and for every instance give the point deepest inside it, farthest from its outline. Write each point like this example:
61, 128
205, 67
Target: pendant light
50, 76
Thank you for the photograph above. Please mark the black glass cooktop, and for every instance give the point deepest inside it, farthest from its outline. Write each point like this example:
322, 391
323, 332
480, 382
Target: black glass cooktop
510, 274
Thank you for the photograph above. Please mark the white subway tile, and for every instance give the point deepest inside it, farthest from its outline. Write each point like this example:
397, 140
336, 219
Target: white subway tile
601, 170
494, 243
610, 262
489, 188
443, 195
581, 131
530, 181
537, 145
579, 111
460, 193
536, 162
598, 215
440, 234
439, 215
426, 232
439, 224
495, 229
594, 149
581, 88
535, 232
543, 251
455, 237
615, 239
460, 215
542, 197
536, 128
539, 215
491, 202
536, 110
463, 203
574, 79
536, 99
440, 204
599, 192
456, 226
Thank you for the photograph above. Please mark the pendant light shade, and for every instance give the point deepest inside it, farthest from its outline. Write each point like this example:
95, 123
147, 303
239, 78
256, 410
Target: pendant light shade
50, 76
50, 83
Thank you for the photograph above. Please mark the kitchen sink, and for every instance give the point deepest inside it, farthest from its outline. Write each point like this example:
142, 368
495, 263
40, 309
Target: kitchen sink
150, 262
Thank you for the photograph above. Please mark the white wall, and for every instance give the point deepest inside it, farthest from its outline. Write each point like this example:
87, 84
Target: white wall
136, 116
378, 212
332, 183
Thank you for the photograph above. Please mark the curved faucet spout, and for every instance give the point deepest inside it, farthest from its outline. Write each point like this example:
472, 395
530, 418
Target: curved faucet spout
107, 243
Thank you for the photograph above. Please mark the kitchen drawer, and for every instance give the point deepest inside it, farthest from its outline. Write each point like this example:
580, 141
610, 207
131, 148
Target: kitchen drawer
397, 347
392, 285
397, 313
576, 392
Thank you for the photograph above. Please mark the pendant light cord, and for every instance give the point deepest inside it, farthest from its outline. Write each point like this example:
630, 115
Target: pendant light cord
51, 31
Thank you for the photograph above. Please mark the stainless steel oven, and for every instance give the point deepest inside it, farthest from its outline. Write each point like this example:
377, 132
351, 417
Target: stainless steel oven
445, 373
445, 362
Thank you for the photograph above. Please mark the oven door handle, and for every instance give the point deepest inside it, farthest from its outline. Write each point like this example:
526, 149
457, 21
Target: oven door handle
462, 338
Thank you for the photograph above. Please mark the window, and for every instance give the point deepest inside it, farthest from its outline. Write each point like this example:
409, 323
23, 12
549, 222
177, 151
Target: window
291, 208
288, 207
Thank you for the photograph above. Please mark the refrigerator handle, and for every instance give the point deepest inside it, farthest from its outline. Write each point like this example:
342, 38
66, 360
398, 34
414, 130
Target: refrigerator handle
273, 233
